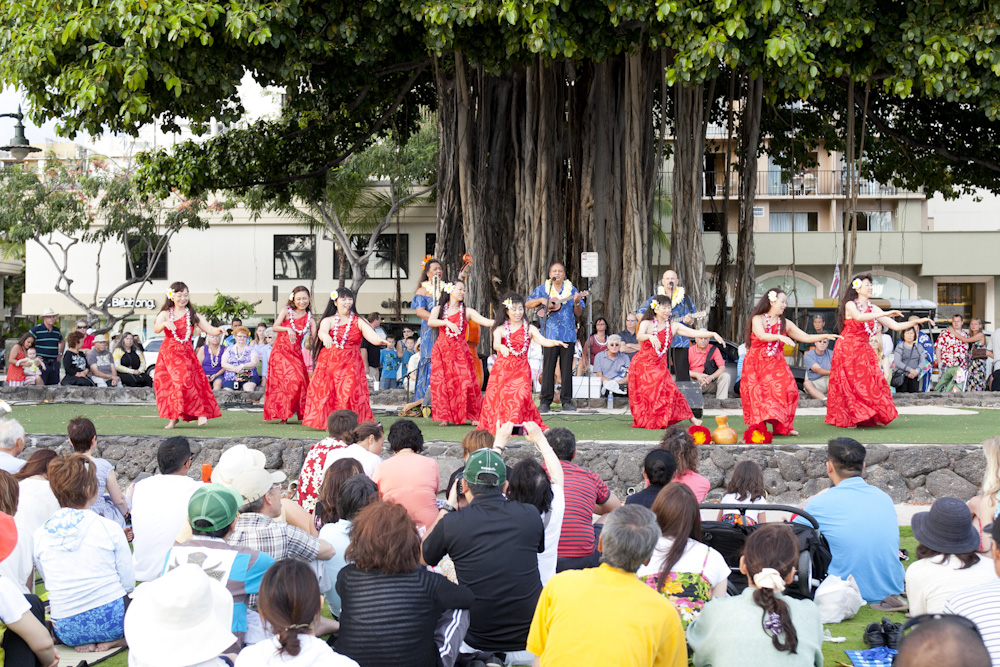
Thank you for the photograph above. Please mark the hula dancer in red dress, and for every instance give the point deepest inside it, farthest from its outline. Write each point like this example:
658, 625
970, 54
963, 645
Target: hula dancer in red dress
508, 392
455, 394
858, 394
287, 378
339, 381
182, 390
653, 398
767, 390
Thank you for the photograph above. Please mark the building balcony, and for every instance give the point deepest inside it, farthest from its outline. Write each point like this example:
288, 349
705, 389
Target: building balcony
780, 184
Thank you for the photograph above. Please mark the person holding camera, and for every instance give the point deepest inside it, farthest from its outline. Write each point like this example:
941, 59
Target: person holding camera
240, 363
707, 368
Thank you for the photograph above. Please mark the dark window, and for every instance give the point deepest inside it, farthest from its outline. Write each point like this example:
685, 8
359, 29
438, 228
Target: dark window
712, 222
382, 262
295, 256
872, 221
141, 254
430, 240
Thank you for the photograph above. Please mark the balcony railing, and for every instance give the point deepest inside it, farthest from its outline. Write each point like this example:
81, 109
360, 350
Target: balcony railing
808, 183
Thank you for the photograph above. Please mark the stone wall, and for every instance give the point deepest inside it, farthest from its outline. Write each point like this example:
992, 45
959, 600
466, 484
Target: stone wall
908, 473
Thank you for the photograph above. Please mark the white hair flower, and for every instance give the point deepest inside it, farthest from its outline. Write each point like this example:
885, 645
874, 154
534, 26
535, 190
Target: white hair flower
291, 296
448, 287
772, 296
508, 303
856, 284
333, 295
171, 294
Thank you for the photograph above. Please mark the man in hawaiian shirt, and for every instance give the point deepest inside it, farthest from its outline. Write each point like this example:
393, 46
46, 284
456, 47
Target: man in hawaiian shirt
558, 321
683, 308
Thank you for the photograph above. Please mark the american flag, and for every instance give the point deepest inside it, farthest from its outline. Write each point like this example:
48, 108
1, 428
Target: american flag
835, 285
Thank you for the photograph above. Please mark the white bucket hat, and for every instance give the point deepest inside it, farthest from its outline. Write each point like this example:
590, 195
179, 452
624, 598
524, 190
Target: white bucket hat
183, 618
237, 459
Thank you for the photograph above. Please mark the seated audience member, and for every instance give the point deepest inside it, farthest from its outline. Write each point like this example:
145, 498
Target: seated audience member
678, 442
818, 326
408, 478
529, 483
981, 604
28, 497
708, 368
947, 558
264, 352
390, 360
290, 606
84, 560
630, 344
159, 507
333, 479
212, 513
18, 362
682, 569
658, 470
941, 641
586, 495
746, 486
25, 639
75, 363
183, 618
859, 521
817, 361
11, 445
356, 493
111, 502
88, 339
772, 629
473, 440
984, 505
130, 363
391, 603
340, 425
210, 356
566, 630
101, 363
240, 361
907, 361
494, 544
16, 564
611, 367
367, 442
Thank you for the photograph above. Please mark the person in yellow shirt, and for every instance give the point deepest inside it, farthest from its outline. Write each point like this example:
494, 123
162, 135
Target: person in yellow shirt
571, 624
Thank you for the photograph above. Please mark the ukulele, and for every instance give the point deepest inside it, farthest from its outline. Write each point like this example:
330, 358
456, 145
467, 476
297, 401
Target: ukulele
555, 304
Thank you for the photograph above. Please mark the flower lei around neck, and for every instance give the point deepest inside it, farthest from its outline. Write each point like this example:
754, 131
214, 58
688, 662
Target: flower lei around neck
772, 328
666, 343
526, 343
564, 293
869, 324
187, 322
291, 322
461, 320
336, 325
675, 298
428, 285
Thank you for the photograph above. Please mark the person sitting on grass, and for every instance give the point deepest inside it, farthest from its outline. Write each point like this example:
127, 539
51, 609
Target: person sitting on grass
941, 641
746, 486
26, 640
678, 442
407, 477
355, 494
658, 470
340, 426
981, 603
111, 502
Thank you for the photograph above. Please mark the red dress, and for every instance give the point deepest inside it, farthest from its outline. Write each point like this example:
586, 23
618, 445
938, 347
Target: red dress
653, 398
339, 381
455, 394
508, 392
767, 389
287, 379
858, 394
15, 374
180, 383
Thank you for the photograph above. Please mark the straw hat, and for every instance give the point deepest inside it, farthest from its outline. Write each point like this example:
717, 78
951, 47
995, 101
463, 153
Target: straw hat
237, 459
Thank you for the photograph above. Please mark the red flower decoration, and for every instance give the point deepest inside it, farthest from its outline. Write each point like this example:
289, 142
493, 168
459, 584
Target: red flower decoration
757, 435
700, 435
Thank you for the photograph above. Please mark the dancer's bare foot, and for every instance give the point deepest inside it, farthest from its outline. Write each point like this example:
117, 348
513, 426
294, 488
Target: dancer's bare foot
107, 646
443, 424
695, 421
793, 432
283, 421
170, 424
202, 421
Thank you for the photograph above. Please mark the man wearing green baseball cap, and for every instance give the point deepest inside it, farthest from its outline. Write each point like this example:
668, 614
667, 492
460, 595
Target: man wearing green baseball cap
494, 544
212, 512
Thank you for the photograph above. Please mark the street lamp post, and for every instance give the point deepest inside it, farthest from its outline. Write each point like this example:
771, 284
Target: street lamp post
18, 147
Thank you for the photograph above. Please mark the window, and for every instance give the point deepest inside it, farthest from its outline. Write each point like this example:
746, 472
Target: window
793, 287
712, 222
294, 256
872, 221
430, 240
956, 299
141, 254
382, 263
804, 222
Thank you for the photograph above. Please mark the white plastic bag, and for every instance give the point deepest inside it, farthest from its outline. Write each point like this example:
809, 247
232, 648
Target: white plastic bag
838, 599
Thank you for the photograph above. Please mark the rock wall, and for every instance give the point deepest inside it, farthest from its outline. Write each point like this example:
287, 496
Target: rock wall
908, 473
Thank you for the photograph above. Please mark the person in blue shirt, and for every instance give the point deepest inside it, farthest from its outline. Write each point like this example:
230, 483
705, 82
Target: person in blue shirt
859, 521
558, 322
682, 309
389, 360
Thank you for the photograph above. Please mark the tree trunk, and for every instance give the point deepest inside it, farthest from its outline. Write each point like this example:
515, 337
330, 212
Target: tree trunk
717, 320
449, 242
687, 254
749, 145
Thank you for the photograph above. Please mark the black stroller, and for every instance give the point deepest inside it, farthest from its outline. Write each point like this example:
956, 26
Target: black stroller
728, 539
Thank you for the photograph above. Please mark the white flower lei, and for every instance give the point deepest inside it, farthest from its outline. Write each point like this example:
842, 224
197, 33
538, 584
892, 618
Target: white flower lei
461, 320
675, 298
870, 325
429, 288
336, 325
664, 344
565, 293
187, 321
774, 345
527, 339
291, 321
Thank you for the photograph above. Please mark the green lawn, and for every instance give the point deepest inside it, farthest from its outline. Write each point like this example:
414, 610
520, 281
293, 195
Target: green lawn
968, 428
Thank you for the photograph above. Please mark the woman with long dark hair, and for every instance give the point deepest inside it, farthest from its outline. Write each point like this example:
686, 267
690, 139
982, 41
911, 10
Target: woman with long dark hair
456, 396
19, 361
508, 392
424, 299
767, 389
858, 393
182, 389
339, 381
130, 362
653, 398
772, 629
288, 380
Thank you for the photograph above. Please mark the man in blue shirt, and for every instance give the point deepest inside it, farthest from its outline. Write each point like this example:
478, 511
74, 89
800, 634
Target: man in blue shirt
49, 344
557, 324
859, 521
682, 309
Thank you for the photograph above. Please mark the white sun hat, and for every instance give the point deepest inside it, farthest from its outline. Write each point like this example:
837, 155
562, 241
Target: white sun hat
240, 458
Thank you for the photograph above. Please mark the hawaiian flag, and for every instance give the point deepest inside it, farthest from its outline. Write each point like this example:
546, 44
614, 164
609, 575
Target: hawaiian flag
835, 285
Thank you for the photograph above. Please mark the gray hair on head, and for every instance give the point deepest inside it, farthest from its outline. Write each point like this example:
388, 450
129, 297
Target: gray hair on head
614, 338
10, 432
629, 537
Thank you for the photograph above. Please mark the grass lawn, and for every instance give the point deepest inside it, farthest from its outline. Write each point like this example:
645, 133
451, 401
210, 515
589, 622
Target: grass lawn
973, 427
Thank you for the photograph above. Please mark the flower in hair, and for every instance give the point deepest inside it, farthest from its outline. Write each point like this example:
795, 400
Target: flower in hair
700, 435
448, 287
773, 623
291, 296
333, 295
171, 294
856, 284
772, 296
423, 262
508, 303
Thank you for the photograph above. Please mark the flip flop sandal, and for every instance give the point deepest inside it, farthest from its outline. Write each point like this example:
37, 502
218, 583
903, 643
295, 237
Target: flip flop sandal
892, 603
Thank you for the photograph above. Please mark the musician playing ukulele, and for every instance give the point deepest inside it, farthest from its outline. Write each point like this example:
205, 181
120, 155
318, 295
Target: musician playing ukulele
558, 323
683, 310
